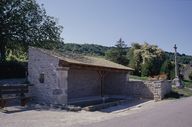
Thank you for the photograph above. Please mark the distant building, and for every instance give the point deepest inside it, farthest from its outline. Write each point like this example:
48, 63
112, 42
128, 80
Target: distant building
186, 71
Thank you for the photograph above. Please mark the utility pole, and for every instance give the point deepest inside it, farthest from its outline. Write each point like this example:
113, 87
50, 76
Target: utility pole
177, 80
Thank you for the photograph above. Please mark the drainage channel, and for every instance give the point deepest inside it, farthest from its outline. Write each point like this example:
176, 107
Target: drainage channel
94, 105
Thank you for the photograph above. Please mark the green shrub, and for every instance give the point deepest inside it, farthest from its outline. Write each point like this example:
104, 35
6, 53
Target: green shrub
168, 68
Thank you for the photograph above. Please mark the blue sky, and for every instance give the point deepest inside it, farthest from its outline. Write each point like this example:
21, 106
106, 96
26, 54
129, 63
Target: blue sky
103, 22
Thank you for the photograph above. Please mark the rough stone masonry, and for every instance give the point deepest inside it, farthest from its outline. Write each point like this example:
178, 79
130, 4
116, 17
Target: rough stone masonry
60, 84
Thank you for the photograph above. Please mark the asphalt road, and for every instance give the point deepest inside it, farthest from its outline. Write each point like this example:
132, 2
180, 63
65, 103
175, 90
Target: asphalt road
171, 114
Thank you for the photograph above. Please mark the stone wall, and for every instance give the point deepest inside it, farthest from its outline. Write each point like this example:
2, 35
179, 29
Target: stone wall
149, 89
161, 88
118, 84
54, 84
54, 87
139, 89
115, 83
83, 83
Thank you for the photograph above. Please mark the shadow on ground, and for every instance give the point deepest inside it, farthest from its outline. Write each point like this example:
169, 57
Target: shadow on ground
125, 106
131, 103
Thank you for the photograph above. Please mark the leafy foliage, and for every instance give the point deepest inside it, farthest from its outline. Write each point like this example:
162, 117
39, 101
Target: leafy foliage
23, 23
118, 53
181, 58
86, 49
146, 59
134, 56
168, 68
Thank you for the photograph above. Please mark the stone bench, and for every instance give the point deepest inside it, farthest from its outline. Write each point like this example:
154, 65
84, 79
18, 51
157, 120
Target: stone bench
9, 92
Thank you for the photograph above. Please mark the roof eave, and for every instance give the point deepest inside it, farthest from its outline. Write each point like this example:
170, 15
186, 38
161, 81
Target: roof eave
64, 63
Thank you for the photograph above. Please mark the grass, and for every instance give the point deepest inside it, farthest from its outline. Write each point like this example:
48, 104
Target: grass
188, 83
177, 93
138, 77
185, 92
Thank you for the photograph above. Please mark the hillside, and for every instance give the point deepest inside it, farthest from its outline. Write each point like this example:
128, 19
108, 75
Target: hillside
181, 58
99, 50
86, 49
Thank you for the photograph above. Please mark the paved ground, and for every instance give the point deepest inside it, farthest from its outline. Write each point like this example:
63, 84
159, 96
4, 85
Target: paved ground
39, 116
170, 114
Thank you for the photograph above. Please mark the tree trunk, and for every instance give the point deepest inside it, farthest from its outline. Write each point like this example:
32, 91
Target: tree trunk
2, 52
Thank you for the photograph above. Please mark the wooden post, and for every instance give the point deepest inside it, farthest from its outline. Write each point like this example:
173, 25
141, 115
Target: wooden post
101, 74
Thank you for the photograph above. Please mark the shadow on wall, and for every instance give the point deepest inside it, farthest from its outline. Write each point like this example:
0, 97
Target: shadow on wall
139, 89
149, 89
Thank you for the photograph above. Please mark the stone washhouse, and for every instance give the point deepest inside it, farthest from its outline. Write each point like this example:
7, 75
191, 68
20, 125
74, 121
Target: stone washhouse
64, 78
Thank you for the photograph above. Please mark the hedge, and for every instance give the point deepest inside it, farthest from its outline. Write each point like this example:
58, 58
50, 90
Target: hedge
13, 70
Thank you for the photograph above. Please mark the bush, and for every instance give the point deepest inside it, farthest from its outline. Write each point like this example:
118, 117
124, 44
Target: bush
168, 68
13, 69
146, 69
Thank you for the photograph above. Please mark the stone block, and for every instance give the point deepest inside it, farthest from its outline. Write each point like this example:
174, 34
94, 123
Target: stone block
57, 91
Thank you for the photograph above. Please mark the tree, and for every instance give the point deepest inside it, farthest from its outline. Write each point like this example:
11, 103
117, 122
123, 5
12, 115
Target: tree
146, 59
146, 69
135, 58
168, 68
118, 53
25, 22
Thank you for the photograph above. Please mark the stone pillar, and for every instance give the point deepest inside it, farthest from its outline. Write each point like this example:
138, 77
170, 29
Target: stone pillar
61, 92
157, 91
177, 80
176, 68
161, 88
